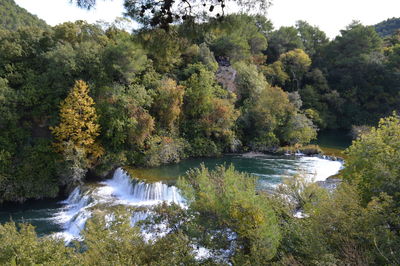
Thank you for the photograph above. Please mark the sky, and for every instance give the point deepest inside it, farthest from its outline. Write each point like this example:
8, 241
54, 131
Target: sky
329, 15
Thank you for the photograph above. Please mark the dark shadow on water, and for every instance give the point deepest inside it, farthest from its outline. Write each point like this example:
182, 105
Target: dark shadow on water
39, 213
338, 139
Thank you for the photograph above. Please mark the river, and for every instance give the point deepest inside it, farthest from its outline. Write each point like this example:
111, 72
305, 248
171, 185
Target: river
67, 217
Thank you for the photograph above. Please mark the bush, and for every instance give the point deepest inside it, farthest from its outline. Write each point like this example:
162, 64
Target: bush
202, 147
374, 159
164, 150
307, 150
21, 246
229, 217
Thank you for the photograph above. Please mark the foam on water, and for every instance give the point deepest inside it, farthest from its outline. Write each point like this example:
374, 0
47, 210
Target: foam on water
73, 216
120, 190
134, 192
318, 169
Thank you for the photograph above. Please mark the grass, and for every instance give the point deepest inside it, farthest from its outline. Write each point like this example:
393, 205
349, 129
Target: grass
307, 149
334, 152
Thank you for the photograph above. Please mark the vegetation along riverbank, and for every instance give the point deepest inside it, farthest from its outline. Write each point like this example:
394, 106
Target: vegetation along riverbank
78, 101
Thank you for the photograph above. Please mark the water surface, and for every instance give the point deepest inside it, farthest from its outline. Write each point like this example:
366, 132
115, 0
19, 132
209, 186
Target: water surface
67, 217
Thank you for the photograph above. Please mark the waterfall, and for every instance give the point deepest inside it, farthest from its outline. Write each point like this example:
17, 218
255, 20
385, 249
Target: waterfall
73, 216
120, 190
136, 192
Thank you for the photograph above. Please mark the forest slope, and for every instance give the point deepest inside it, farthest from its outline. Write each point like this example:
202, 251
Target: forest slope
13, 17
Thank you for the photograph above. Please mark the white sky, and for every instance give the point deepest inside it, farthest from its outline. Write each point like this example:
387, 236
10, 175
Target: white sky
329, 15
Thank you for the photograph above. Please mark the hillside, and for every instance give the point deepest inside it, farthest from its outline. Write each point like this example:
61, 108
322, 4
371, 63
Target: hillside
388, 27
13, 17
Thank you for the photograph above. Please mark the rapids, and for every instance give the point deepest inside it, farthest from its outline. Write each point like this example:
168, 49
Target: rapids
120, 190
66, 219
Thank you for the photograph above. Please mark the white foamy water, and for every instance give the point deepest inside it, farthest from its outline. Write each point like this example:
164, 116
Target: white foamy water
319, 169
120, 190
73, 215
123, 190
138, 193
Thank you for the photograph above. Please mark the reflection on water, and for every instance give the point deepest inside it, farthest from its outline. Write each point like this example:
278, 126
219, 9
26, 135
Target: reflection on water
35, 212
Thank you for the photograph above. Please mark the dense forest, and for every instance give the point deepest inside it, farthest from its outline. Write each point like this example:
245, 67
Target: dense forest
13, 17
78, 100
388, 27
356, 224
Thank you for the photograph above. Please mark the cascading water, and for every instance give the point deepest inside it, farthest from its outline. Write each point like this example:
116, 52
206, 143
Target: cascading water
120, 190
73, 215
134, 192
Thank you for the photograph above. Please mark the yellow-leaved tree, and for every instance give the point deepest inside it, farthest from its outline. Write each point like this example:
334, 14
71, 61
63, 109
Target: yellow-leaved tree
76, 133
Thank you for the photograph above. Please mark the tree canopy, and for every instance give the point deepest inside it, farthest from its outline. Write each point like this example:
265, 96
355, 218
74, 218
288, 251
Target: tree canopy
204, 88
13, 17
166, 12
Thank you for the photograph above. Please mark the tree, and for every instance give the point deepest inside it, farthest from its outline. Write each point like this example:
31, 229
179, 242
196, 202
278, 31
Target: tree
296, 64
13, 17
388, 27
312, 37
281, 41
209, 113
263, 116
76, 133
125, 119
229, 217
168, 103
20, 245
299, 130
237, 37
166, 12
123, 59
355, 69
373, 161
394, 58
166, 56
249, 81
207, 57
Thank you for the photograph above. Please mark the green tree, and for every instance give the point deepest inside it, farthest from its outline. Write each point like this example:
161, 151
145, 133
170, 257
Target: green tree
388, 27
168, 104
262, 118
123, 60
167, 56
249, 81
117, 242
20, 245
237, 37
164, 13
125, 121
281, 41
209, 113
356, 70
228, 212
13, 17
373, 160
312, 37
299, 130
296, 64
207, 57
275, 74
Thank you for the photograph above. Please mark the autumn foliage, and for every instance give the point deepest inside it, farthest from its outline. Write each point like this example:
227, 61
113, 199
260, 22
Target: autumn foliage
78, 123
